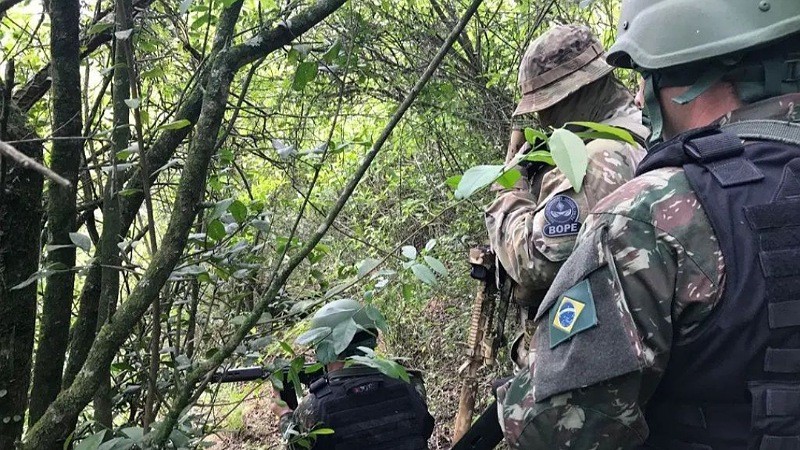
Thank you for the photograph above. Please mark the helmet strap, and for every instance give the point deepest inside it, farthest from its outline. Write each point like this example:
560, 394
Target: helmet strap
652, 109
709, 78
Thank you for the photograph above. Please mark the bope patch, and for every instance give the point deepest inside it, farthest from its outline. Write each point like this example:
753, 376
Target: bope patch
561, 214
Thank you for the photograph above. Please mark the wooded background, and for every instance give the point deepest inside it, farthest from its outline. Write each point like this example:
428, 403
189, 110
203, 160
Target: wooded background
231, 168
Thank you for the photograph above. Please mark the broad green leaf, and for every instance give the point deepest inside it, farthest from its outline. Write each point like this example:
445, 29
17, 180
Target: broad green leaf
124, 34
540, 156
313, 335
569, 153
424, 274
376, 316
342, 335
219, 208
238, 210
607, 132
384, 365
453, 181
216, 230
532, 135
333, 52
477, 178
367, 266
409, 251
133, 103
509, 178
135, 433
92, 442
177, 125
320, 432
339, 288
117, 443
100, 27
81, 240
185, 4
431, 243
306, 72
436, 265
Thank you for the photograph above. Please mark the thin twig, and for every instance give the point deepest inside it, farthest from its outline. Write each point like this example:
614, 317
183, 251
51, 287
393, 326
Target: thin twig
29, 163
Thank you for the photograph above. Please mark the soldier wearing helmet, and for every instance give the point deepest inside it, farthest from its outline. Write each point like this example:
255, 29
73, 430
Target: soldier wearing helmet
532, 227
364, 407
675, 324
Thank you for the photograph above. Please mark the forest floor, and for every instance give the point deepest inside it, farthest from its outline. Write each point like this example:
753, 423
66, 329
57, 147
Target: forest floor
432, 336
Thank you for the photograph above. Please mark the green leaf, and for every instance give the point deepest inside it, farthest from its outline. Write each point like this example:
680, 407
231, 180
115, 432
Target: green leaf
155, 72
177, 125
569, 153
286, 348
542, 156
384, 365
133, 103
135, 433
320, 432
185, 4
216, 230
333, 52
312, 336
408, 292
436, 265
477, 178
376, 316
430, 244
219, 208
92, 442
509, 178
342, 335
100, 27
424, 274
81, 240
238, 210
306, 72
532, 135
367, 266
409, 251
453, 181
607, 132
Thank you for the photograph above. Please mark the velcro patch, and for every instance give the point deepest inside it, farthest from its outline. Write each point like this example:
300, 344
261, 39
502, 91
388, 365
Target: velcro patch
561, 214
572, 313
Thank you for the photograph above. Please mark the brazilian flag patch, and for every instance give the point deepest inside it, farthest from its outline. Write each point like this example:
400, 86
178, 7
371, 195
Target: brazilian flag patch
572, 313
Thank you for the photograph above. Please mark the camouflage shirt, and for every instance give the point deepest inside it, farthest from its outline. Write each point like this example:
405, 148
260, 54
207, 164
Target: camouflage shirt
296, 425
517, 219
654, 270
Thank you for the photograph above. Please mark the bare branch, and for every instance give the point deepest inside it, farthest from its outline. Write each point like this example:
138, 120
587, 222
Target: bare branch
30, 163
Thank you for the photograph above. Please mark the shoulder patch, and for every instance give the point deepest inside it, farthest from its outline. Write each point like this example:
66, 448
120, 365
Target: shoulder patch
572, 313
561, 213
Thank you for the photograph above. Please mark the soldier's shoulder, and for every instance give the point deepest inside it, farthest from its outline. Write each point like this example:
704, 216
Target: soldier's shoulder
662, 197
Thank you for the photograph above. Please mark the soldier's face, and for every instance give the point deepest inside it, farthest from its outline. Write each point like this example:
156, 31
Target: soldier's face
717, 101
639, 99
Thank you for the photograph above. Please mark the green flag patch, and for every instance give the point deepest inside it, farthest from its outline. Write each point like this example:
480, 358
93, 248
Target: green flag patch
572, 313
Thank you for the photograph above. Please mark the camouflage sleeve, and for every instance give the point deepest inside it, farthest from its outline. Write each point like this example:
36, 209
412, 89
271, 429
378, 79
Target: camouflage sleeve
532, 234
299, 422
646, 268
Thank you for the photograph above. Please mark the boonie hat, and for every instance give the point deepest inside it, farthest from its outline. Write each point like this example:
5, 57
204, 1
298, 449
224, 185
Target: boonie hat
557, 64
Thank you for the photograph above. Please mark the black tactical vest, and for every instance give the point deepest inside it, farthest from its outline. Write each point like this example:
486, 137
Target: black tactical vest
369, 410
735, 382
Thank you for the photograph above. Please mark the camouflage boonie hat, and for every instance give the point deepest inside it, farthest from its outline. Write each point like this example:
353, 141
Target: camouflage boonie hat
557, 64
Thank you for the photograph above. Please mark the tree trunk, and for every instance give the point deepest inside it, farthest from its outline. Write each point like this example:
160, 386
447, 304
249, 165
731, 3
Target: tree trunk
61, 215
20, 217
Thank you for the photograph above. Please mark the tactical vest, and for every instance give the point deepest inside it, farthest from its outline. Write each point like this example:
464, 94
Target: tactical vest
369, 410
735, 382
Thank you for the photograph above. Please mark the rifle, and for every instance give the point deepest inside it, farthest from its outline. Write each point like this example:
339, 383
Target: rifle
306, 376
489, 307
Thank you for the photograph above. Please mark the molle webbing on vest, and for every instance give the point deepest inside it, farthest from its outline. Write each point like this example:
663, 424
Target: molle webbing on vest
370, 410
735, 384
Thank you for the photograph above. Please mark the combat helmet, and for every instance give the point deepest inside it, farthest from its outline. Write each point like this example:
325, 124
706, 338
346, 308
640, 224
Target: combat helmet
697, 43
340, 327
557, 64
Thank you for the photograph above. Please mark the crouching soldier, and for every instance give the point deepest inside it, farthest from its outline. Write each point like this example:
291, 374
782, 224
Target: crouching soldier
365, 408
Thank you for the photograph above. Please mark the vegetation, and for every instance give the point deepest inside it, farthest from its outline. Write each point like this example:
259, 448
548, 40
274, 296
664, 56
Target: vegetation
232, 165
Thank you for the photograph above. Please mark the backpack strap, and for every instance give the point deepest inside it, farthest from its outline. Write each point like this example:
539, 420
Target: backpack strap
766, 130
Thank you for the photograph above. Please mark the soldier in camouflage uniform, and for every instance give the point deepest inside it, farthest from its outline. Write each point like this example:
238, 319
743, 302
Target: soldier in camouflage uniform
532, 227
675, 323
364, 407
